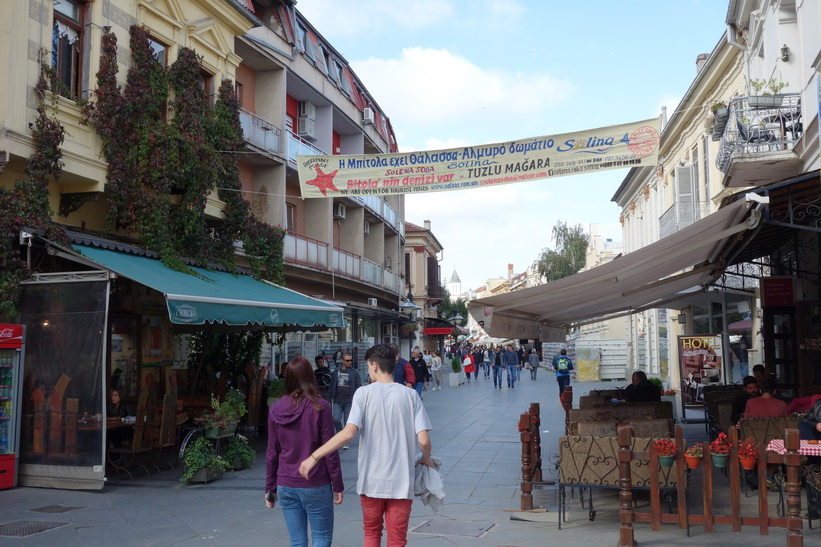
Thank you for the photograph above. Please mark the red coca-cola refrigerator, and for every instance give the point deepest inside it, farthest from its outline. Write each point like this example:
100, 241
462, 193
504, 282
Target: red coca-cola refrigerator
12, 353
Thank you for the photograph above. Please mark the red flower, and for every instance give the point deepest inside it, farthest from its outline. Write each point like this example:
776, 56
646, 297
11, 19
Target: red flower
720, 445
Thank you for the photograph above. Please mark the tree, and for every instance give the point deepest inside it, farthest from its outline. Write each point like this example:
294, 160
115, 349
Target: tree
448, 307
569, 256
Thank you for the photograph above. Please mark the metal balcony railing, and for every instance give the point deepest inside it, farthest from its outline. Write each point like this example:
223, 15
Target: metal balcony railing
681, 215
259, 132
753, 129
297, 145
347, 264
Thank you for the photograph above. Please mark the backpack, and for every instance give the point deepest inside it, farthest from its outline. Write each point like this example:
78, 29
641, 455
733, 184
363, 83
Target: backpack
563, 364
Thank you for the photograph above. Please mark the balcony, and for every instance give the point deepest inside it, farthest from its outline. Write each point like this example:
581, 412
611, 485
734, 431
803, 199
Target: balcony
259, 133
681, 215
385, 212
306, 251
298, 145
757, 143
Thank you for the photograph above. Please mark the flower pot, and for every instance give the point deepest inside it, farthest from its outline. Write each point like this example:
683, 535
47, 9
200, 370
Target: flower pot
667, 461
720, 460
764, 101
211, 433
207, 474
748, 462
236, 464
231, 427
692, 461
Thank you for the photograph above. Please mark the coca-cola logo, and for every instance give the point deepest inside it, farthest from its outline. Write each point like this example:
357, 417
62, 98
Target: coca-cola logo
6, 333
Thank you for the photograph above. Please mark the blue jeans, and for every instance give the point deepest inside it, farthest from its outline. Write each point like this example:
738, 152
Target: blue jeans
301, 506
418, 387
564, 381
511, 375
340, 414
487, 370
497, 376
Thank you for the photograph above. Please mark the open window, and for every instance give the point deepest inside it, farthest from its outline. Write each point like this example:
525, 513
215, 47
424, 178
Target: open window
67, 46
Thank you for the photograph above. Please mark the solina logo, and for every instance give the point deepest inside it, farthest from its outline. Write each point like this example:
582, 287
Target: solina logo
185, 313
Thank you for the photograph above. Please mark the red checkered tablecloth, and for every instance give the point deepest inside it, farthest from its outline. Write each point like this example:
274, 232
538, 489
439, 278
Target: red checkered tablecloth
805, 448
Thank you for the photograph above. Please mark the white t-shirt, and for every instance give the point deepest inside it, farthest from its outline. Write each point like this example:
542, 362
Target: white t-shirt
388, 415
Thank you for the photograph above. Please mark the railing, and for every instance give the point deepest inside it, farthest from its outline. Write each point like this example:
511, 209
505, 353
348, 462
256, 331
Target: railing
381, 208
371, 272
390, 281
297, 145
347, 264
305, 250
436, 291
755, 129
681, 215
259, 132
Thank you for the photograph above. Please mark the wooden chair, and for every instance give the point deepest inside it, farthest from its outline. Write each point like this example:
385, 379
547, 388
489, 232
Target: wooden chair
166, 440
763, 430
124, 458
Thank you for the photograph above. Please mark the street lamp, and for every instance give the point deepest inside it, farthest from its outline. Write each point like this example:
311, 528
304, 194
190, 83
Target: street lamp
456, 318
409, 306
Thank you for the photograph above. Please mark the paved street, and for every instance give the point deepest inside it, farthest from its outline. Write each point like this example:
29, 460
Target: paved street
474, 433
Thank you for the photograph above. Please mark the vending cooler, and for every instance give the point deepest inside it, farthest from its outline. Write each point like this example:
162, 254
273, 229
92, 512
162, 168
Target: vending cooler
12, 352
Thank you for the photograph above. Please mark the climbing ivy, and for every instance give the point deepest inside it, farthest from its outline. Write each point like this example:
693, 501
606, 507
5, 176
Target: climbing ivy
27, 204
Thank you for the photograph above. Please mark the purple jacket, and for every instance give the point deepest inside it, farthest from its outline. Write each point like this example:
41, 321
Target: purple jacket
293, 434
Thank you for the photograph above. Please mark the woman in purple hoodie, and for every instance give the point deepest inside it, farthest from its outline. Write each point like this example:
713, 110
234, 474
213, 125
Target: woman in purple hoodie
299, 423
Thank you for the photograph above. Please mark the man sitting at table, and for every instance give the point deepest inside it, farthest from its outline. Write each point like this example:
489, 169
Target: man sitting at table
810, 427
740, 402
766, 406
642, 389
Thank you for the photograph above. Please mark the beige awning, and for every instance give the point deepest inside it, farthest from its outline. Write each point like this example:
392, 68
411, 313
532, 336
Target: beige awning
686, 261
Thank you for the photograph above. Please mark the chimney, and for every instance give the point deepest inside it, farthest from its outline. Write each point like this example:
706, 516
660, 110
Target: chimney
510, 272
427, 224
701, 60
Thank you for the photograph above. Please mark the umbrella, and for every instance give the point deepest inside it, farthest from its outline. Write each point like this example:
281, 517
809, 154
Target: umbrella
744, 324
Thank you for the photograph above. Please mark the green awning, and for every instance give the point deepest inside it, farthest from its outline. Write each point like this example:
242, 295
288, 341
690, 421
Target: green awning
221, 298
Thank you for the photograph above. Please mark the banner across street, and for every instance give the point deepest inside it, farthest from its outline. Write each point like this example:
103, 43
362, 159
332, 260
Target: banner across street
618, 146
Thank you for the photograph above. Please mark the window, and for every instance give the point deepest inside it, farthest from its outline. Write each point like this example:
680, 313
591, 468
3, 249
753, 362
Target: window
290, 211
695, 175
326, 58
238, 91
67, 45
206, 80
302, 39
160, 52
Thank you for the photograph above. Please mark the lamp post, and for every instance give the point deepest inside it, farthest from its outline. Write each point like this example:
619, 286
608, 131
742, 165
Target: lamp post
411, 308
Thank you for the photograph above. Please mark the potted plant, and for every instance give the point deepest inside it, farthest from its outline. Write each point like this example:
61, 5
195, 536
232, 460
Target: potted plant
658, 383
720, 450
276, 389
748, 453
408, 328
217, 421
238, 453
766, 93
455, 377
693, 455
720, 111
234, 402
666, 450
201, 463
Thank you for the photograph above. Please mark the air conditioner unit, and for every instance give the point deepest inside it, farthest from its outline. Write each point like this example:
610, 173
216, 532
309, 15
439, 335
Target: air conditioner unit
367, 116
372, 301
306, 127
307, 109
367, 227
339, 210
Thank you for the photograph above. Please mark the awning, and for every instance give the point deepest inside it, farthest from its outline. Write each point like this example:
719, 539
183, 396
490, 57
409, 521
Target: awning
744, 324
684, 262
222, 298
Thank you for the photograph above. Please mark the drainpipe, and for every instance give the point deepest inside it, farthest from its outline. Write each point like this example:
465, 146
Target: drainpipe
732, 39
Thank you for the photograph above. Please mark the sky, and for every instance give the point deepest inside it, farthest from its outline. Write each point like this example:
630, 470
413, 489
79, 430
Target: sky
450, 73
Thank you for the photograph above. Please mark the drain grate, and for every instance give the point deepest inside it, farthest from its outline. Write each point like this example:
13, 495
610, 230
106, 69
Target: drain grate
57, 508
23, 528
453, 528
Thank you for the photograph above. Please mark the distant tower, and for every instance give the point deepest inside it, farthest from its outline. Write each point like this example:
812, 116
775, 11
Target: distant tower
455, 286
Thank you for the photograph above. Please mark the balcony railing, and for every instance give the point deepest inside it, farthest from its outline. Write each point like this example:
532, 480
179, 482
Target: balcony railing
371, 272
297, 145
390, 281
681, 215
381, 209
347, 264
305, 250
756, 130
259, 132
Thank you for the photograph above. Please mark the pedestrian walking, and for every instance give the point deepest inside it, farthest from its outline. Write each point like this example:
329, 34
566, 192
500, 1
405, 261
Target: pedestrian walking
497, 366
420, 371
344, 383
486, 355
533, 363
298, 423
436, 371
562, 365
389, 416
468, 366
512, 366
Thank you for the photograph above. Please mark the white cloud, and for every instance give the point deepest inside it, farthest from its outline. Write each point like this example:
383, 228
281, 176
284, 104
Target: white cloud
437, 87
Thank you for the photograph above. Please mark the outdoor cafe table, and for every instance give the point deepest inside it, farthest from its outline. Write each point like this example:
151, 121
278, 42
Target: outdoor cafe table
807, 448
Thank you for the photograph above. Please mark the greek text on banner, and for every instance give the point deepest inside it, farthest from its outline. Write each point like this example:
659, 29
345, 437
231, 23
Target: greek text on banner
627, 145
